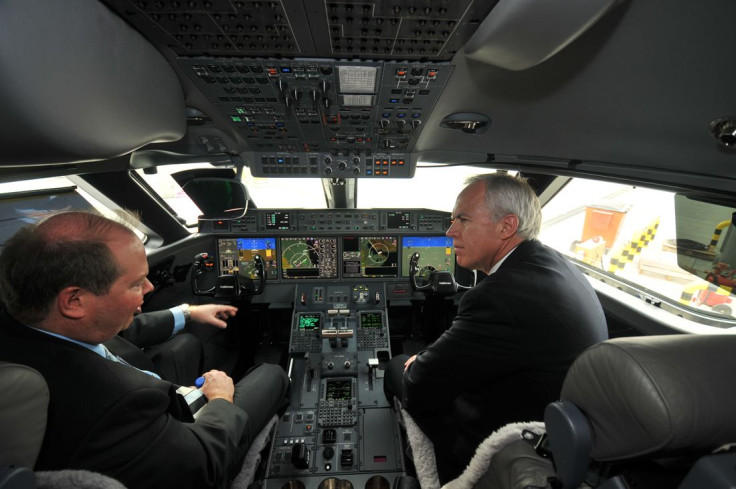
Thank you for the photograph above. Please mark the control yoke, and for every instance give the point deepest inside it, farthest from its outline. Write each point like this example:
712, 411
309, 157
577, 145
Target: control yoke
435, 281
229, 286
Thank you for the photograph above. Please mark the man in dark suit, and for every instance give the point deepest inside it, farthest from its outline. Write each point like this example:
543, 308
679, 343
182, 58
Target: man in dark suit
505, 355
154, 341
73, 282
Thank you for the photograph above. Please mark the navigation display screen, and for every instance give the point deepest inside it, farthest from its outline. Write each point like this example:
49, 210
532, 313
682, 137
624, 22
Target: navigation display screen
435, 253
309, 257
370, 256
236, 254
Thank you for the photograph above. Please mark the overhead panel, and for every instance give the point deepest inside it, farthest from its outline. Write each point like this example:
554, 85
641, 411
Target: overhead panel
315, 89
385, 29
319, 117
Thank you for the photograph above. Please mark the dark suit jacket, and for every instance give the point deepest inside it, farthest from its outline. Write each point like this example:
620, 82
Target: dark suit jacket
147, 329
508, 349
150, 328
111, 418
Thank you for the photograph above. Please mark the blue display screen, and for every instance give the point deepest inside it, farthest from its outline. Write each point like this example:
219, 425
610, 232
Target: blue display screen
435, 253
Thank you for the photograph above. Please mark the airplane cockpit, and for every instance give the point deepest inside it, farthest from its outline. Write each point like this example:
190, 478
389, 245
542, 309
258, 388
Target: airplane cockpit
300, 160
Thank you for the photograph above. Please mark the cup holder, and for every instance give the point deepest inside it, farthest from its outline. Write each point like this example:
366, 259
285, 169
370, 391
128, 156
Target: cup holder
335, 483
293, 485
377, 482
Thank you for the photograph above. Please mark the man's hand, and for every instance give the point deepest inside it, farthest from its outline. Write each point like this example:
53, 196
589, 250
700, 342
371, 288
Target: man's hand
214, 314
409, 362
217, 385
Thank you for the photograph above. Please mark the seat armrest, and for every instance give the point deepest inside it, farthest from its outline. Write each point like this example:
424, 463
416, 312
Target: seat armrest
570, 440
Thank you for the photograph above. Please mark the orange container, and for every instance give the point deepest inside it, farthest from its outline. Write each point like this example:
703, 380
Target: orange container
603, 221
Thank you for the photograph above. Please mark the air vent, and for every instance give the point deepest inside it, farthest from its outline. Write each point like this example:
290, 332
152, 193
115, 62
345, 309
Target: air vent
467, 122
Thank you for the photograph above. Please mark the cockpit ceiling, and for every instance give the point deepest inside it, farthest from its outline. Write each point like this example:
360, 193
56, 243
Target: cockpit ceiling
364, 88
377, 30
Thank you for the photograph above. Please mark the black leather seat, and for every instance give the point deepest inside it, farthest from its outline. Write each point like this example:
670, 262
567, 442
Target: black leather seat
643, 409
23, 410
23, 416
645, 412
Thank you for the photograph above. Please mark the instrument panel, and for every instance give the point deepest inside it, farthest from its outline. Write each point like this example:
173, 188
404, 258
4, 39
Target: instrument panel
338, 270
329, 245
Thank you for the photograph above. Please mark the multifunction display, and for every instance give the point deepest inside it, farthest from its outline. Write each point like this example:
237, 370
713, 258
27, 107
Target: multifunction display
370, 256
398, 220
237, 256
309, 322
309, 257
338, 390
435, 253
278, 220
371, 320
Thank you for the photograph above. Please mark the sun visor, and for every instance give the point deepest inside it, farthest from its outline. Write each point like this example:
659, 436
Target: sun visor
520, 34
78, 84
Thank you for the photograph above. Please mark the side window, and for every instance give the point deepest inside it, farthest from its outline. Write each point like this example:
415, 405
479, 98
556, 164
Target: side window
265, 192
657, 245
28, 201
167, 189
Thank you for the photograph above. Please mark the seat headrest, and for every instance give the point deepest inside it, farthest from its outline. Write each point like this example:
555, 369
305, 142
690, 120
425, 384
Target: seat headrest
23, 414
656, 395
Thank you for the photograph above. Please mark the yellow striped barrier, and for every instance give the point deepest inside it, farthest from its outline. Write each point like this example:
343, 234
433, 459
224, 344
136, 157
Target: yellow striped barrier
630, 250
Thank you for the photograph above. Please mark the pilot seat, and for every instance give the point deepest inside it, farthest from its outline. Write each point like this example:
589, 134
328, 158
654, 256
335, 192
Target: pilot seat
636, 412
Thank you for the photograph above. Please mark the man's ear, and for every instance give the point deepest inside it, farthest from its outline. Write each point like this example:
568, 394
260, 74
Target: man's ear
70, 302
510, 225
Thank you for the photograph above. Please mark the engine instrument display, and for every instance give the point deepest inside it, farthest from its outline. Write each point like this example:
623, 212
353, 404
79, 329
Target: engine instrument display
435, 253
370, 256
309, 257
236, 254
